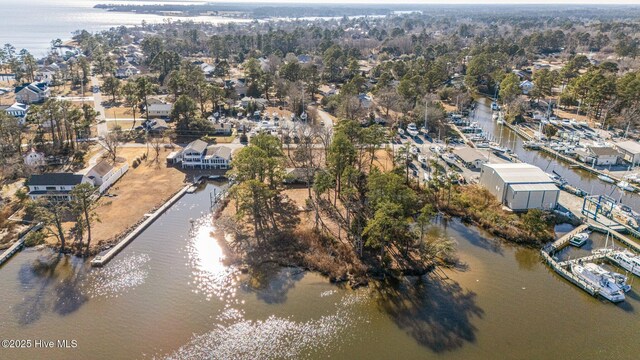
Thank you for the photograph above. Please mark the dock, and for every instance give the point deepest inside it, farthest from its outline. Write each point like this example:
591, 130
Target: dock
7, 254
573, 163
17, 246
563, 268
101, 260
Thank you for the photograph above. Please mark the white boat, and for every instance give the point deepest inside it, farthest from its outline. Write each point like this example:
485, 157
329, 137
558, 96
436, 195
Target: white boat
613, 276
579, 239
624, 185
606, 179
495, 116
608, 289
497, 148
495, 106
412, 130
626, 260
400, 131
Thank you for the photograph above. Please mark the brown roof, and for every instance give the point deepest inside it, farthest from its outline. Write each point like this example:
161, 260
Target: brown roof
102, 168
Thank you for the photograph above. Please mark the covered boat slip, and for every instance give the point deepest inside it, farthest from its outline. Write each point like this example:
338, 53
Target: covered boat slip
528, 196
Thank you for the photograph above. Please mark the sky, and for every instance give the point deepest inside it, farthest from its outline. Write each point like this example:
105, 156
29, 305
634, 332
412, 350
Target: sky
448, 2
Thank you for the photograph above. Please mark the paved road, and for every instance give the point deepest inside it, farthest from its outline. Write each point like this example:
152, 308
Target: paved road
101, 128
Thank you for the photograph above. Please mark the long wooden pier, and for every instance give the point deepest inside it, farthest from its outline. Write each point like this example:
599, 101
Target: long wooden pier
7, 254
101, 260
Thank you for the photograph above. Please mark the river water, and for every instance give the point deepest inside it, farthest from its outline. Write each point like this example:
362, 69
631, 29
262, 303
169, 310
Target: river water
169, 295
32, 24
576, 177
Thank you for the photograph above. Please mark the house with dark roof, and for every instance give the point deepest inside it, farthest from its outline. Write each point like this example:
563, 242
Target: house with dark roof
17, 110
201, 155
35, 92
54, 186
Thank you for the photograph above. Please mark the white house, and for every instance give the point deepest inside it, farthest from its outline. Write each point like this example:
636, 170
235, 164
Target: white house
17, 110
7, 77
100, 173
46, 73
34, 158
124, 72
54, 186
32, 93
526, 86
201, 155
160, 109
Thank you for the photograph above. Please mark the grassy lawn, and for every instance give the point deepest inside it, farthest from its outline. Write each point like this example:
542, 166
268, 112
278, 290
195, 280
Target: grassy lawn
119, 112
124, 124
134, 195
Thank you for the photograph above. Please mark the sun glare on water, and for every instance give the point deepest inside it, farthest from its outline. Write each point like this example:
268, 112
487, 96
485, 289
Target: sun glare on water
206, 257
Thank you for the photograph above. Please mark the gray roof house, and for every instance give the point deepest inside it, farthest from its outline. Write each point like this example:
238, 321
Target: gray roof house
54, 186
199, 154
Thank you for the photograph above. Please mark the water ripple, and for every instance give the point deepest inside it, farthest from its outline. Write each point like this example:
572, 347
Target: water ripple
120, 276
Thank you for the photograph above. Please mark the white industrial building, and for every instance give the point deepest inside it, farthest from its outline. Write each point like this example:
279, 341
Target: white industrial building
520, 186
630, 151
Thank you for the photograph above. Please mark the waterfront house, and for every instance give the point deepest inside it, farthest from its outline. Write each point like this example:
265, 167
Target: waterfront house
160, 109
34, 158
630, 151
598, 155
35, 92
520, 186
54, 186
17, 110
201, 155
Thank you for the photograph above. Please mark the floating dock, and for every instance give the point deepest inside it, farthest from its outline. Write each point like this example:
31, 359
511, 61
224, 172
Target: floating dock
563, 268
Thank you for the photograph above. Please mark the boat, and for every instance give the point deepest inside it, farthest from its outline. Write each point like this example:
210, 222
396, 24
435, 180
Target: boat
606, 179
613, 276
608, 289
497, 148
412, 130
495, 106
579, 239
500, 122
626, 260
624, 185
400, 131
495, 116
534, 145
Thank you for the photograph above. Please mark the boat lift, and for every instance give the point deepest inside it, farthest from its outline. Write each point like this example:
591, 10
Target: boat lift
595, 205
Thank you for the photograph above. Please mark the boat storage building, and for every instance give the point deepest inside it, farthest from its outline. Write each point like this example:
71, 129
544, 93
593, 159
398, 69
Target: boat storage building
520, 186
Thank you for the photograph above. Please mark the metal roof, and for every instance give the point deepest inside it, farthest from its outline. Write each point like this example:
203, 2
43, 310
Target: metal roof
53, 179
519, 173
629, 146
534, 187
